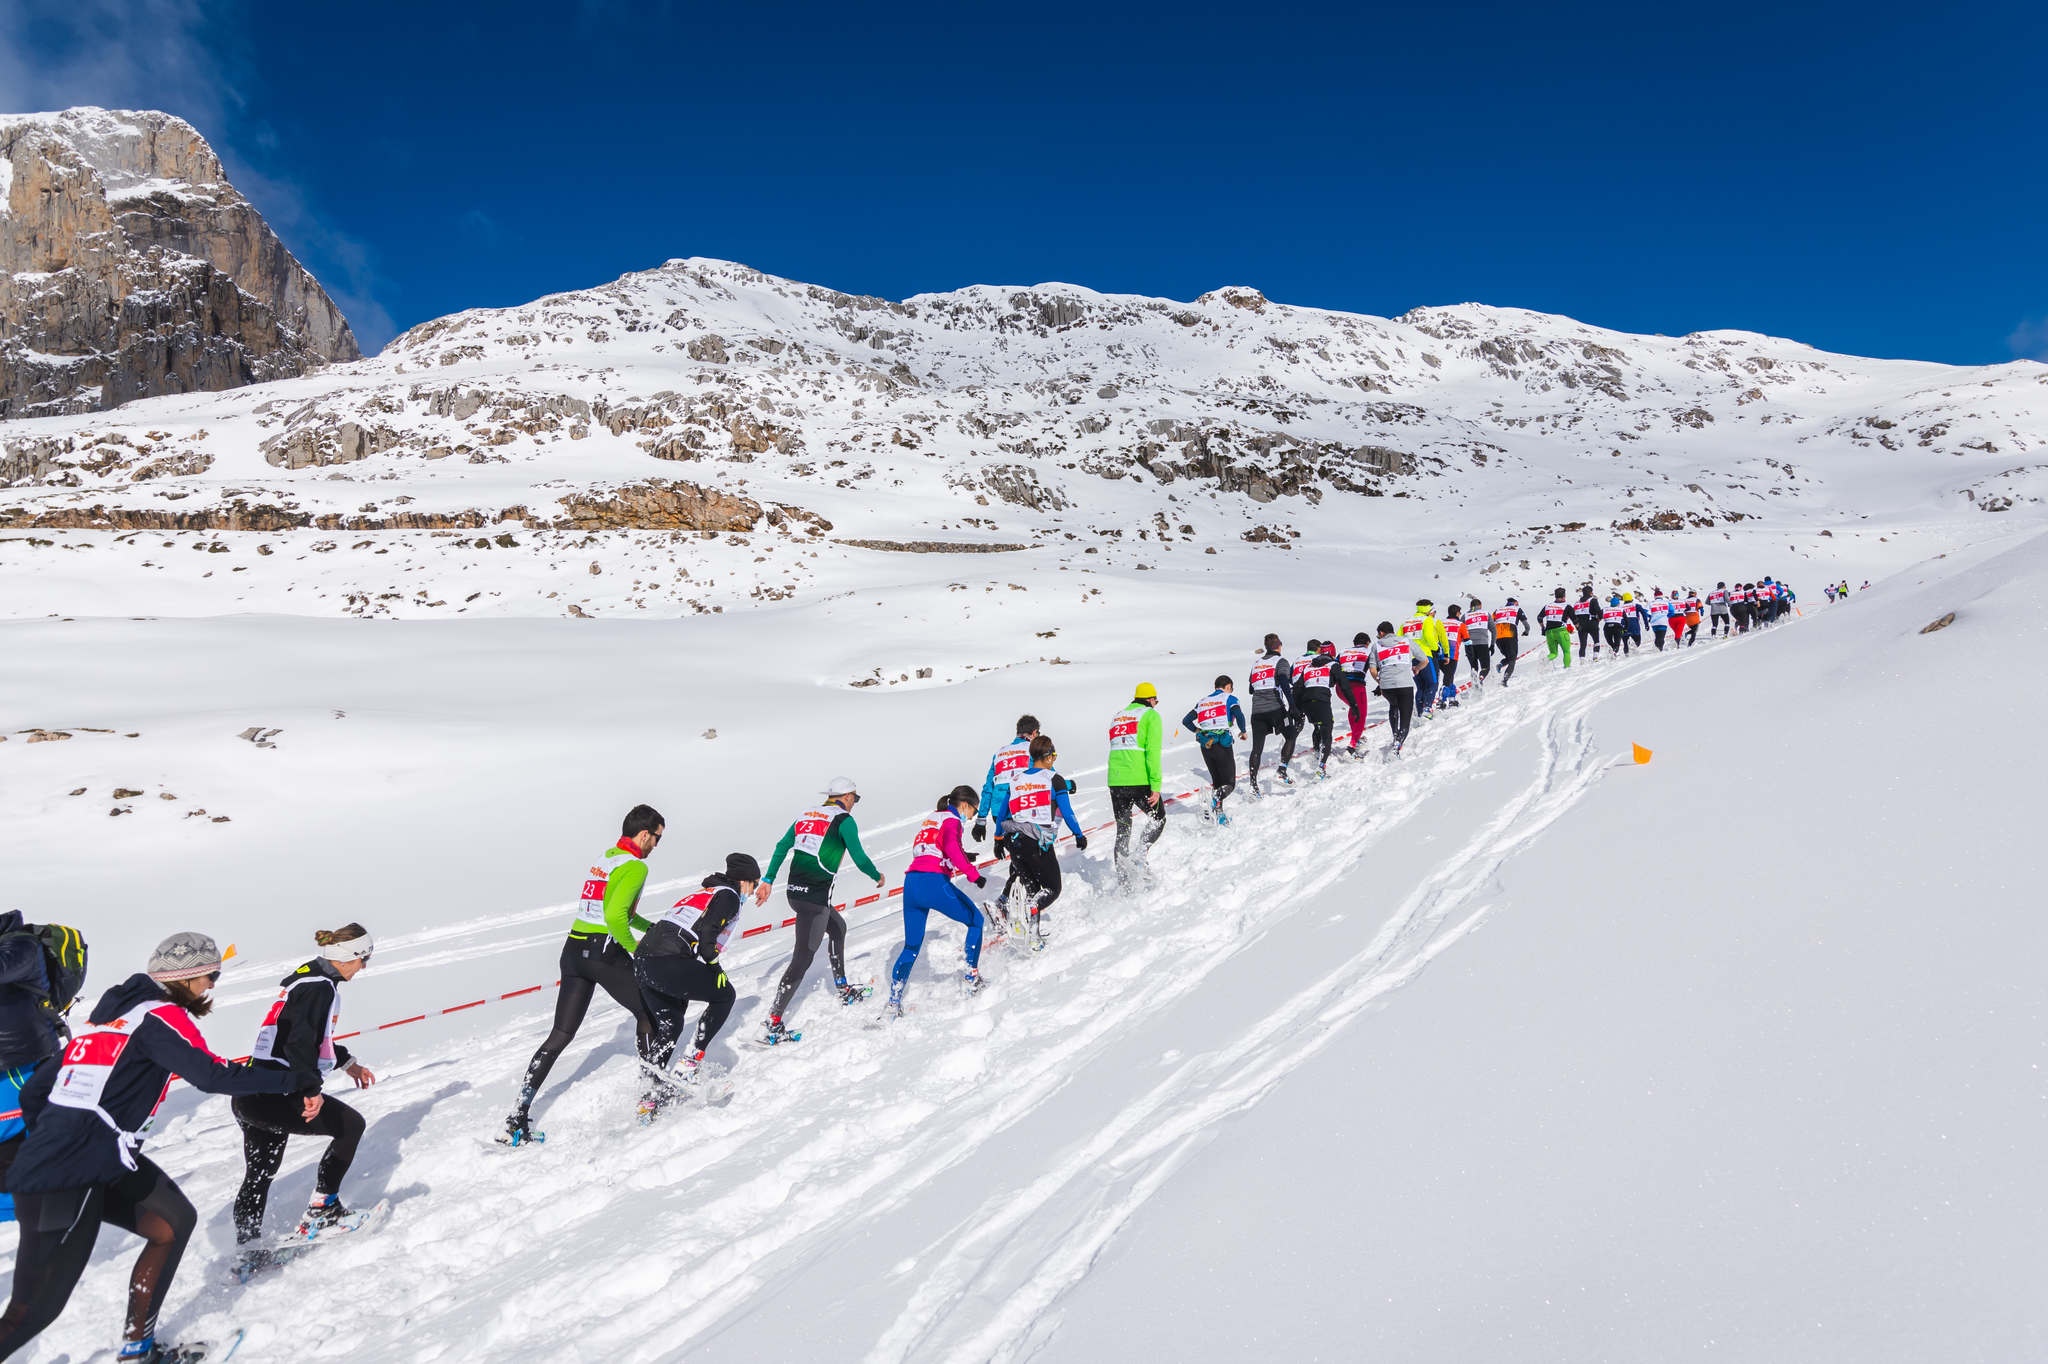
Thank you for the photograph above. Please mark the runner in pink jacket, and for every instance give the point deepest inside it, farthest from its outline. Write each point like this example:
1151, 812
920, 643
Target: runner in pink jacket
936, 855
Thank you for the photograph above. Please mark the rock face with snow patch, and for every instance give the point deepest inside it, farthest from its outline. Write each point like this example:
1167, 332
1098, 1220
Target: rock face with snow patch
130, 267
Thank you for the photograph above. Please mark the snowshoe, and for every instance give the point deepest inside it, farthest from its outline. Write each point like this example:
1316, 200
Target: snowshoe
191, 1352
519, 1132
252, 1260
970, 981
652, 1106
775, 1034
320, 1217
1281, 773
331, 1220
1036, 935
853, 994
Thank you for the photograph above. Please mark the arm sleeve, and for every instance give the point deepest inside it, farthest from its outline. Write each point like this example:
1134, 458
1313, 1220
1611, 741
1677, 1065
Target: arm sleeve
299, 1026
725, 907
1522, 616
622, 892
1152, 734
988, 793
1059, 796
849, 834
1283, 677
343, 1057
178, 1048
35, 1095
1187, 721
781, 851
1237, 715
951, 851
21, 963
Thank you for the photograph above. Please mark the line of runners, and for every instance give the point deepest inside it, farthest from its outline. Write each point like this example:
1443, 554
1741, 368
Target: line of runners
71, 1137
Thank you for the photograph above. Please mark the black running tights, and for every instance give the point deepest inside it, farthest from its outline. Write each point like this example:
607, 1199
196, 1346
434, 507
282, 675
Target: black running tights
588, 965
58, 1229
268, 1122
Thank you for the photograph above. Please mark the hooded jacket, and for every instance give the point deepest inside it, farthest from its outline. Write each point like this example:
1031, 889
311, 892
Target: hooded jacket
28, 1025
68, 1148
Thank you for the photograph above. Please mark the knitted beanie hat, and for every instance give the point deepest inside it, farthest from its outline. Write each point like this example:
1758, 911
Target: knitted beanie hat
184, 956
741, 866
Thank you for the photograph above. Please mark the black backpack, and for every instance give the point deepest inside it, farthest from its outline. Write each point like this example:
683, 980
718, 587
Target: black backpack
64, 956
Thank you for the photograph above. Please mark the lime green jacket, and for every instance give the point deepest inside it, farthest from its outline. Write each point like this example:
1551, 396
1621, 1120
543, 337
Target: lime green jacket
1140, 766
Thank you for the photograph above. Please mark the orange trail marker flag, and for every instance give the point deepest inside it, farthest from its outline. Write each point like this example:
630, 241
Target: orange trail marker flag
1642, 754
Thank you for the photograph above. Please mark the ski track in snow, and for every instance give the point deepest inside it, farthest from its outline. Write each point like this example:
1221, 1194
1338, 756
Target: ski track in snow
1000, 1256
731, 1201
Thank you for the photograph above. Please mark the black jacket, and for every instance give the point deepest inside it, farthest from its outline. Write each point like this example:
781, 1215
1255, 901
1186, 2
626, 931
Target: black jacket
705, 937
302, 1022
68, 1148
28, 1026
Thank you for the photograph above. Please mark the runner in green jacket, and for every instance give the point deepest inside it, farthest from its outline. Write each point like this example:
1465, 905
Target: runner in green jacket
820, 838
1137, 739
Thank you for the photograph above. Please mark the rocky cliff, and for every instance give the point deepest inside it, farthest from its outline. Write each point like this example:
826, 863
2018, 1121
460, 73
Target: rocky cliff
130, 267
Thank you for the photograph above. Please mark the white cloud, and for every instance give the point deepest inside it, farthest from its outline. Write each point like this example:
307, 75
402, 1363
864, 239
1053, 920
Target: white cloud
2029, 340
159, 54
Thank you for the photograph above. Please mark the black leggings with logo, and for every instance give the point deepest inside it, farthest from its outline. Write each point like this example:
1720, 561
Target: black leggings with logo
58, 1229
816, 922
589, 963
668, 984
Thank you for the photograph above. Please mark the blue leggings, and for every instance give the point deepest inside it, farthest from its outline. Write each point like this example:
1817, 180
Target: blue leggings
1426, 686
924, 891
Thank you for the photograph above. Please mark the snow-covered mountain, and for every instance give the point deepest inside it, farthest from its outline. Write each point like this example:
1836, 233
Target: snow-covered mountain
1712, 1062
708, 397
129, 266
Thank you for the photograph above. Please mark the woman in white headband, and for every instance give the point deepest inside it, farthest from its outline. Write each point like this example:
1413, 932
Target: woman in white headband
298, 1035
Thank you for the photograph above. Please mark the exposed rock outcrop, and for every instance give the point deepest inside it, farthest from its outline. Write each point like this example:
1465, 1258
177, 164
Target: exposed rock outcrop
129, 266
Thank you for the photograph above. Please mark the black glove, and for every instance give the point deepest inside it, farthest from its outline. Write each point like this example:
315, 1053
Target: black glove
1081, 842
980, 831
980, 881
1066, 785
1002, 850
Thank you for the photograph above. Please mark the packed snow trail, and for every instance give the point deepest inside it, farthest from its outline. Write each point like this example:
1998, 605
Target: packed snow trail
718, 1211
1067, 1215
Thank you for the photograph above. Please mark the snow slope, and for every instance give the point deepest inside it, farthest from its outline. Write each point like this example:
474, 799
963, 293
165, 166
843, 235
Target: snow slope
1004, 1176
1746, 1063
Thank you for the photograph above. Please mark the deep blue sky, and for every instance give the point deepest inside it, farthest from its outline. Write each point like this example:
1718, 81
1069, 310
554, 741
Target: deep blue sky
1869, 178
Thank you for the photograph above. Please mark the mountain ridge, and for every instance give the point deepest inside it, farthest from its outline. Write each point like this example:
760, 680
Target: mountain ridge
707, 398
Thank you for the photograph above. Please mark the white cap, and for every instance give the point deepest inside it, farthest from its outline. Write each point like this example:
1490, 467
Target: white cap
839, 786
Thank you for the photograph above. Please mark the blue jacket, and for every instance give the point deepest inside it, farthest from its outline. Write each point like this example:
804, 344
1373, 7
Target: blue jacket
1235, 715
987, 808
1059, 799
28, 1027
